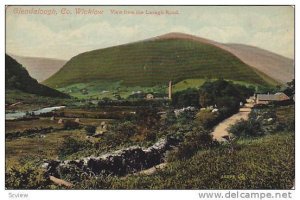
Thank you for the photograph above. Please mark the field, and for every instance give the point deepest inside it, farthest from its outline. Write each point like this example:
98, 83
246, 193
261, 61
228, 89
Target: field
247, 167
41, 145
197, 83
24, 101
115, 90
151, 63
108, 89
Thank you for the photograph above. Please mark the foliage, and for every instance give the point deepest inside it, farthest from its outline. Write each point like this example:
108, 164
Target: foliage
27, 176
186, 117
194, 141
71, 145
184, 98
90, 129
125, 129
206, 118
290, 90
225, 96
248, 167
69, 125
247, 128
223, 93
148, 116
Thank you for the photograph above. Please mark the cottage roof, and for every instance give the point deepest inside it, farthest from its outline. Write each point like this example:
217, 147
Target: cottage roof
267, 97
271, 97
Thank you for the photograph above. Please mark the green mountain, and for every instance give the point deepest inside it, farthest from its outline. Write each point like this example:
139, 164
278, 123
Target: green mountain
155, 62
17, 78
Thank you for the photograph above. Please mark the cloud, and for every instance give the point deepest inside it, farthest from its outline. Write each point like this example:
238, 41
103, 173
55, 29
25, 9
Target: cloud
63, 37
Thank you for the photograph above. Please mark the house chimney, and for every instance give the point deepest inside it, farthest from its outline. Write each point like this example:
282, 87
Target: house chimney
170, 90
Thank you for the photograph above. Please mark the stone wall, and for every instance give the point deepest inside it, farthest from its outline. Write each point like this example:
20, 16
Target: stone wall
121, 162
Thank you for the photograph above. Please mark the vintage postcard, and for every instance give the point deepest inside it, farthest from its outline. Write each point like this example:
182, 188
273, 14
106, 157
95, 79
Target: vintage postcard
149, 97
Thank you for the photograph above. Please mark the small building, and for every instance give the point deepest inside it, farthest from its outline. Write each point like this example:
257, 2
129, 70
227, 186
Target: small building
149, 96
267, 98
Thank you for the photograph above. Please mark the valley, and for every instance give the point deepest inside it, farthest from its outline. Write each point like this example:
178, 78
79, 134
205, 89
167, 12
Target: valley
154, 114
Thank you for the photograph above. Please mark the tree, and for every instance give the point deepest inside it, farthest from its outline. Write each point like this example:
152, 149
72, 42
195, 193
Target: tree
290, 90
188, 97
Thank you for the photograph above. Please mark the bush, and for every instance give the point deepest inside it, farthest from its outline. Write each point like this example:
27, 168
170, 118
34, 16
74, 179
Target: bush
71, 145
69, 125
185, 98
216, 92
186, 117
26, 177
90, 130
193, 142
206, 118
247, 128
126, 129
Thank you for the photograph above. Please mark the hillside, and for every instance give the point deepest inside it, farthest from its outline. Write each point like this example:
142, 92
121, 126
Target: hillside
154, 62
275, 66
17, 78
40, 68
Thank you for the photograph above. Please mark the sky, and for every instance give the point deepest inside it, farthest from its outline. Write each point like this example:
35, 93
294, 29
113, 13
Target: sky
60, 32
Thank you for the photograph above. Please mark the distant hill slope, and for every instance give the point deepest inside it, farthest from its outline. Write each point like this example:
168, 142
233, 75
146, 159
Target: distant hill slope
276, 66
17, 78
154, 62
40, 68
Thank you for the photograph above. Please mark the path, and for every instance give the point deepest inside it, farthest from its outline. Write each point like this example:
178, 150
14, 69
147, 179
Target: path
221, 129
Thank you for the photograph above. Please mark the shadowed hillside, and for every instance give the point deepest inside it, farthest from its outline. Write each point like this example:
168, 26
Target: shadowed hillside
17, 78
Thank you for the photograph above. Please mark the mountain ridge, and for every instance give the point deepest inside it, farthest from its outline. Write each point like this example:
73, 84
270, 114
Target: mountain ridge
18, 78
185, 43
39, 68
263, 60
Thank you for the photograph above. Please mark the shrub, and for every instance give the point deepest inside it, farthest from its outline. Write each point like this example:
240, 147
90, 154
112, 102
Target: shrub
71, 145
247, 128
188, 97
186, 117
69, 125
206, 118
26, 177
90, 130
193, 142
126, 129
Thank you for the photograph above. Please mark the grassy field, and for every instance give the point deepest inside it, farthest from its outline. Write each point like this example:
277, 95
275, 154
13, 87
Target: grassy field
22, 125
285, 114
36, 147
29, 102
109, 89
197, 83
151, 63
264, 163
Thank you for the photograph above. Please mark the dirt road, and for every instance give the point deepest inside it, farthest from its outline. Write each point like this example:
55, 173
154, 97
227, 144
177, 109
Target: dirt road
221, 129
